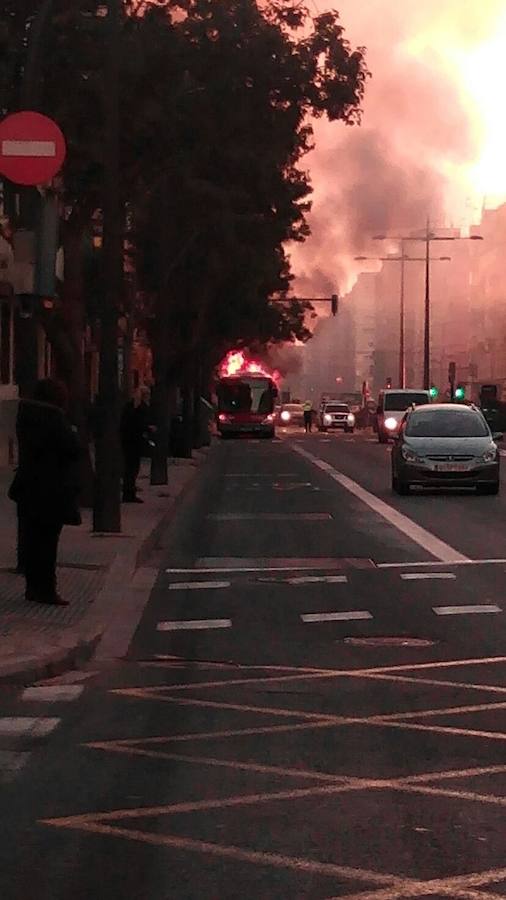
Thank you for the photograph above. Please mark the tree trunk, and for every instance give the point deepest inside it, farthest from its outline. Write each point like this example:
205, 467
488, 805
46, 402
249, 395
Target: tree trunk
187, 422
160, 399
74, 316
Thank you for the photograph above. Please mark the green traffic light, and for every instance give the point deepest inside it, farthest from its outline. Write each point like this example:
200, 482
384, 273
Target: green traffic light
434, 393
460, 393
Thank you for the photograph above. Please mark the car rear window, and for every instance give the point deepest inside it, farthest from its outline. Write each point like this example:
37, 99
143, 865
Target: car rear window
446, 423
399, 402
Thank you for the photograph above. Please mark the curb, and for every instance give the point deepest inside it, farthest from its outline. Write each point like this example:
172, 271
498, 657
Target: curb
81, 646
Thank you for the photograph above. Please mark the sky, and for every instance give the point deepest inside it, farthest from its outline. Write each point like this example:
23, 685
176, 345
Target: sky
433, 137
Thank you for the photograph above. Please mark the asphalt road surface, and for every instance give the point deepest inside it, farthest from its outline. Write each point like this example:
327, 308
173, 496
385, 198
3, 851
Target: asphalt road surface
313, 704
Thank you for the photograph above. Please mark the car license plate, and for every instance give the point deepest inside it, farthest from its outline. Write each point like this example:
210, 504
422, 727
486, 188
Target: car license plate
452, 467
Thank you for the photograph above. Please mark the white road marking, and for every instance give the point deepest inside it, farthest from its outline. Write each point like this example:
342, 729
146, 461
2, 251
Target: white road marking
416, 533
269, 517
23, 726
261, 475
11, 763
428, 576
337, 616
198, 585
464, 610
194, 625
55, 693
462, 562
318, 579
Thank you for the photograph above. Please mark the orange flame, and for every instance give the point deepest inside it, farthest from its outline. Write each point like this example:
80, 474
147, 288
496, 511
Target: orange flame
237, 363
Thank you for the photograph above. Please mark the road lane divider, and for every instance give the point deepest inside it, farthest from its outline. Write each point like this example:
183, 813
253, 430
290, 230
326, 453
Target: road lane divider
269, 517
317, 579
466, 610
432, 544
428, 576
53, 693
194, 625
25, 727
349, 616
198, 585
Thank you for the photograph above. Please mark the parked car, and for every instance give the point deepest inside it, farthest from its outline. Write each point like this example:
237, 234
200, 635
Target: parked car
392, 404
446, 445
336, 415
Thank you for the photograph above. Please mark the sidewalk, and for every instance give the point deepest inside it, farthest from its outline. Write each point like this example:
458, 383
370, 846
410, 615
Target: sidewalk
38, 641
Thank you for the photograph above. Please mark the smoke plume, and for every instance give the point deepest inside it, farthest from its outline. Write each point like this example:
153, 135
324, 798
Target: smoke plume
419, 135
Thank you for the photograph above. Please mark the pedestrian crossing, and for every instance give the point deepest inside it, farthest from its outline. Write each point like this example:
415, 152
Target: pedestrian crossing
22, 736
347, 592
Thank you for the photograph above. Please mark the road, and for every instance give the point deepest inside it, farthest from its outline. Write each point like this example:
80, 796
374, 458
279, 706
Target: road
313, 704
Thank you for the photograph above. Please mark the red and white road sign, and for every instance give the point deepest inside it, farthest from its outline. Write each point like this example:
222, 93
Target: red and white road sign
32, 148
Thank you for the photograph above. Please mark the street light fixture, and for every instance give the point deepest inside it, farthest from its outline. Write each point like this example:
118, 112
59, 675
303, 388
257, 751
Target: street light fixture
427, 239
403, 258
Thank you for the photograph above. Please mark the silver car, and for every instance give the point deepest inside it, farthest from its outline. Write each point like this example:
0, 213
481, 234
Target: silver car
446, 445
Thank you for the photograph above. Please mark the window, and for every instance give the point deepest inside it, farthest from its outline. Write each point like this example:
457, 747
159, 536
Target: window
401, 401
446, 423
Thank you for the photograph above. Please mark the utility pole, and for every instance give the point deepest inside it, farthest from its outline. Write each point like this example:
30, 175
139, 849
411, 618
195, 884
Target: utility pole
107, 506
402, 324
403, 259
426, 332
427, 239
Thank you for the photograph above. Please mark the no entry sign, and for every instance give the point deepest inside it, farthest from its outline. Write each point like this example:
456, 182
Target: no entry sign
32, 148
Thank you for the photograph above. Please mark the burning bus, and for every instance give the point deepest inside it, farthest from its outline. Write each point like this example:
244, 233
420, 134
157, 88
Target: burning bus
246, 394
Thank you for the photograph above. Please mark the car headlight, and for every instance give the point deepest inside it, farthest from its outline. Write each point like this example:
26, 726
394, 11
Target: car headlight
285, 416
409, 455
490, 455
351, 419
223, 418
327, 419
391, 423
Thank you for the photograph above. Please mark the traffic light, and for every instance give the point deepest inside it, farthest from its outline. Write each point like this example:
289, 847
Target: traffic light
389, 383
434, 392
460, 392
334, 304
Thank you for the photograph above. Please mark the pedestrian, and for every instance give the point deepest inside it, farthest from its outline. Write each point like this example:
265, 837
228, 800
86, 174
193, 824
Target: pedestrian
308, 416
134, 426
45, 486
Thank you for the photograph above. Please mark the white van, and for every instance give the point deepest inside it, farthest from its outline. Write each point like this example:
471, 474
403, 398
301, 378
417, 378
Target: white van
392, 404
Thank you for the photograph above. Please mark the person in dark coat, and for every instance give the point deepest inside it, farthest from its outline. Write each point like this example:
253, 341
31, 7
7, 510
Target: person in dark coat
135, 425
45, 486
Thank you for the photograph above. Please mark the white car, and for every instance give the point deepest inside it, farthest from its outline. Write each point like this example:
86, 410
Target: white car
392, 405
336, 415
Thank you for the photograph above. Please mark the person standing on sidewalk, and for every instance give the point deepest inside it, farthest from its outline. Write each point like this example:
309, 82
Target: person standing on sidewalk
45, 486
134, 427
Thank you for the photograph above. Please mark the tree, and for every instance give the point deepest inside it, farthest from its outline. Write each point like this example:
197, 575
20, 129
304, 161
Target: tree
237, 193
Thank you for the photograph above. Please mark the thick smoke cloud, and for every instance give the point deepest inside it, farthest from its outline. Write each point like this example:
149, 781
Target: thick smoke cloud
418, 134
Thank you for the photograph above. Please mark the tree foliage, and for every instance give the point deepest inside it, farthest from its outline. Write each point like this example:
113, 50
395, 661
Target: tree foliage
217, 100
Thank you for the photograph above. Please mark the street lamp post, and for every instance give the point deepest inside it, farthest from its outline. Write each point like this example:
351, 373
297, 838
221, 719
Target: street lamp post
427, 239
403, 258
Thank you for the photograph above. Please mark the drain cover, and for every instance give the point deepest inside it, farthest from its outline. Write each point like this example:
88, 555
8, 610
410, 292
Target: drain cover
389, 642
